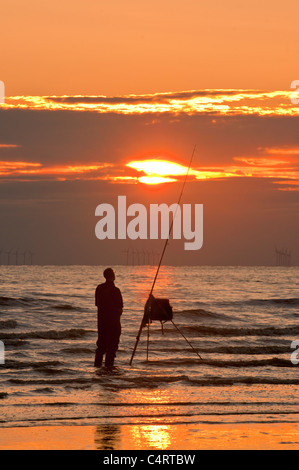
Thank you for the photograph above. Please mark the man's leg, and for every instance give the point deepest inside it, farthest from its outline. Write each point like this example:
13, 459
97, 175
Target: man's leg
98, 359
112, 345
100, 350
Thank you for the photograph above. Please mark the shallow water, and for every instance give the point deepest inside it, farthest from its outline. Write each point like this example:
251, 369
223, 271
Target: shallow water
241, 320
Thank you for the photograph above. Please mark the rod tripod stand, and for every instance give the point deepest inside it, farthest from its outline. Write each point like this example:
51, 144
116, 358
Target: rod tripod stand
148, 336
187, 341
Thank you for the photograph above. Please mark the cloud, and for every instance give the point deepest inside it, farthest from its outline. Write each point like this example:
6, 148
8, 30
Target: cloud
28, 170
156, 171
8, 146
211, 102
65, 145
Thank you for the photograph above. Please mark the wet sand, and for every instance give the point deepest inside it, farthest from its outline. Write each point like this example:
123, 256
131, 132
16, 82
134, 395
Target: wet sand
280, 436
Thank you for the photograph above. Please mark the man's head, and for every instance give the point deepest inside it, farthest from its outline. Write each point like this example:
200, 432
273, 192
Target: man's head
109, 274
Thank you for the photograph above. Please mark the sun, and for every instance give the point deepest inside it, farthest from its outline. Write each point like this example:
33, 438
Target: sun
155, 179
158, 171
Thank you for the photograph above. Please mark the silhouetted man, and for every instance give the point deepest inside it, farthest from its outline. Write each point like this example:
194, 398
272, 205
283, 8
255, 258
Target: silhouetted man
109, 301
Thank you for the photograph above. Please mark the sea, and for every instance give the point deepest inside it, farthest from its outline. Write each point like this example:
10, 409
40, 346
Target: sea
230, 356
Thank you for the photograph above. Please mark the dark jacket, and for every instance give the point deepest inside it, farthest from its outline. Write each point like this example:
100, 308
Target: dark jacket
109, 300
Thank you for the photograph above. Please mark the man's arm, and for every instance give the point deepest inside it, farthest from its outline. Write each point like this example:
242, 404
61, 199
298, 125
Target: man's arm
121, 303
96, 296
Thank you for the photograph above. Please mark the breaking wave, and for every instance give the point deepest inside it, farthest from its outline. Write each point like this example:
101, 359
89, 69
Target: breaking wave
9, 324
274, 362
155, 381
72, 333
292, 301
36, 302
235, 331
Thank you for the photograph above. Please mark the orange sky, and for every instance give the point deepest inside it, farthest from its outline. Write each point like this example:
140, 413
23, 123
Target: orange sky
92, 86
276, 161
283, 170
120, 47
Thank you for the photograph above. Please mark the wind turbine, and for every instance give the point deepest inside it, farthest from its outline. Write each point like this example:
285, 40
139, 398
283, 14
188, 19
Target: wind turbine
127, 252
8, 256
31, 257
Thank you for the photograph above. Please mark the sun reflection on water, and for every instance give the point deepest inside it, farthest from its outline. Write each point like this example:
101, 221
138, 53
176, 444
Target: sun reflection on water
151, 436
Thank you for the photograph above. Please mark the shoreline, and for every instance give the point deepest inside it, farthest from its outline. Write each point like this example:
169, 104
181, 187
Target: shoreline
240, 436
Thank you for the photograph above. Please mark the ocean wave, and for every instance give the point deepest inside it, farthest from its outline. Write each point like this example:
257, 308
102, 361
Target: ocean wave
12, 364
274, 362
36, 302
66, 307
161, 419
247, 350
145, 381
15, 342
228, 381
235, 331
157, 380
8, 301
45, 390
50, 370
201, 313
73, 333
9, 324
198, 312
65, 381
239, 350
290, 302
19, 301
147, 404
154, 381
78, 350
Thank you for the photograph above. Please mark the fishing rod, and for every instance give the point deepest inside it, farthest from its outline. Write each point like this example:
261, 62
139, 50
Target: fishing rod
147, 305
171, 225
